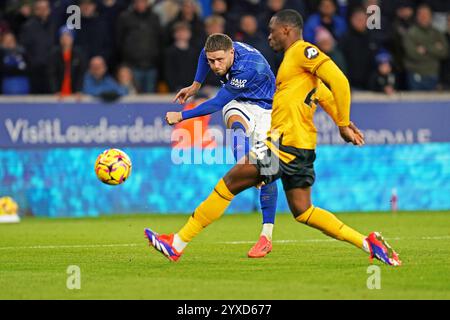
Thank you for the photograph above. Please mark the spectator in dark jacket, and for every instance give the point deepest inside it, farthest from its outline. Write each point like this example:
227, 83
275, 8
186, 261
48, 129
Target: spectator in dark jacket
404, 19
248, 6
327, 18
67, 67
94, 38
383, 79
359, 50
18, 14
213, 24
221, 8
139, 37
249, 33
380, 29
37, 37
180, 59
190, 13
445, 68
272, 7
59, 12
109, 11
13, 66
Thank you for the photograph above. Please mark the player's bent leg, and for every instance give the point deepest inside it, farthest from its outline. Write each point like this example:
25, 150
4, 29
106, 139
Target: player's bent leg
299, 200
242, 176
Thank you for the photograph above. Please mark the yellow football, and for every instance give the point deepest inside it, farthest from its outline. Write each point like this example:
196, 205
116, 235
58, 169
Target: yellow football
8, 206
113, 166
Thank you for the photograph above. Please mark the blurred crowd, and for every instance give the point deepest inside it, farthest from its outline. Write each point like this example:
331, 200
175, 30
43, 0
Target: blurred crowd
145, 46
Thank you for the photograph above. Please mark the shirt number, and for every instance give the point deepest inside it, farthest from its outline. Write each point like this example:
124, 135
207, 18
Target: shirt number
309, 98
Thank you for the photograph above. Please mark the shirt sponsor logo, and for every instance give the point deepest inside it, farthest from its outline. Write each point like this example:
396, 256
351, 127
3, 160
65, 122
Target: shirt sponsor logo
238, 83
311, 53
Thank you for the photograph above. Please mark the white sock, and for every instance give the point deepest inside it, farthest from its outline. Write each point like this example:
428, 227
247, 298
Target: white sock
267, 230
178, 244
366, 246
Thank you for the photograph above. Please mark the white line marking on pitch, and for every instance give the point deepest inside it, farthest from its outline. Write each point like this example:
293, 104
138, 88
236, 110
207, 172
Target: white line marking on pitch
330, 240
279, 241
74, 246
435, 238
228, 242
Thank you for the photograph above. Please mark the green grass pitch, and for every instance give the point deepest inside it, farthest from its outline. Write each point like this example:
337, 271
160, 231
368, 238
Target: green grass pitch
116, 262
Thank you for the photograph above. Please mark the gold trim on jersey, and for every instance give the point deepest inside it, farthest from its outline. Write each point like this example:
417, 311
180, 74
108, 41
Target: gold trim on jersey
283, 156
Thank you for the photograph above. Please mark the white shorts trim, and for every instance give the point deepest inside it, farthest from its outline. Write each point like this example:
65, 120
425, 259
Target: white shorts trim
256, 118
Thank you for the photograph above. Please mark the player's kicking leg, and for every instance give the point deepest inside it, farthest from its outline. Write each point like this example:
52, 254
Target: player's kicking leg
299, 200
241, 177
268, 194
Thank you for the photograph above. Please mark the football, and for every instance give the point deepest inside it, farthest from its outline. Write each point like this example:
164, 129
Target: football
8, 206
113, 167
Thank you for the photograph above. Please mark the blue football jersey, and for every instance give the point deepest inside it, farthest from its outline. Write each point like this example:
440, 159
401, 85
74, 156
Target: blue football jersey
251, 76
249, 79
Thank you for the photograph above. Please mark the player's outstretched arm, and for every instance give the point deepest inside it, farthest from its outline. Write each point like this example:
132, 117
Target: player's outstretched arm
182, 96
338, 83
326, 100
223, 97
330, 74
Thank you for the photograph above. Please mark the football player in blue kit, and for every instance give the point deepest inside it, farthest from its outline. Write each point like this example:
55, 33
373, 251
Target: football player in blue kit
248, 85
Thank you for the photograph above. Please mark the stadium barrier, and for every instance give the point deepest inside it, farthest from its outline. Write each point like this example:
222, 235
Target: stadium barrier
48, 149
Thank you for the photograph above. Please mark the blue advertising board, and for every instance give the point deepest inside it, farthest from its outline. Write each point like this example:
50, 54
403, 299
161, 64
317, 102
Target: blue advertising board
142, 124
47, 152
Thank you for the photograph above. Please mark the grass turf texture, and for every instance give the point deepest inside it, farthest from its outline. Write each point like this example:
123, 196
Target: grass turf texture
116, 262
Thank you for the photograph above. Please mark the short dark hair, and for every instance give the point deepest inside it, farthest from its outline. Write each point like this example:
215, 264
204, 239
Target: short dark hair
217, 42
357, 9
290, 17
